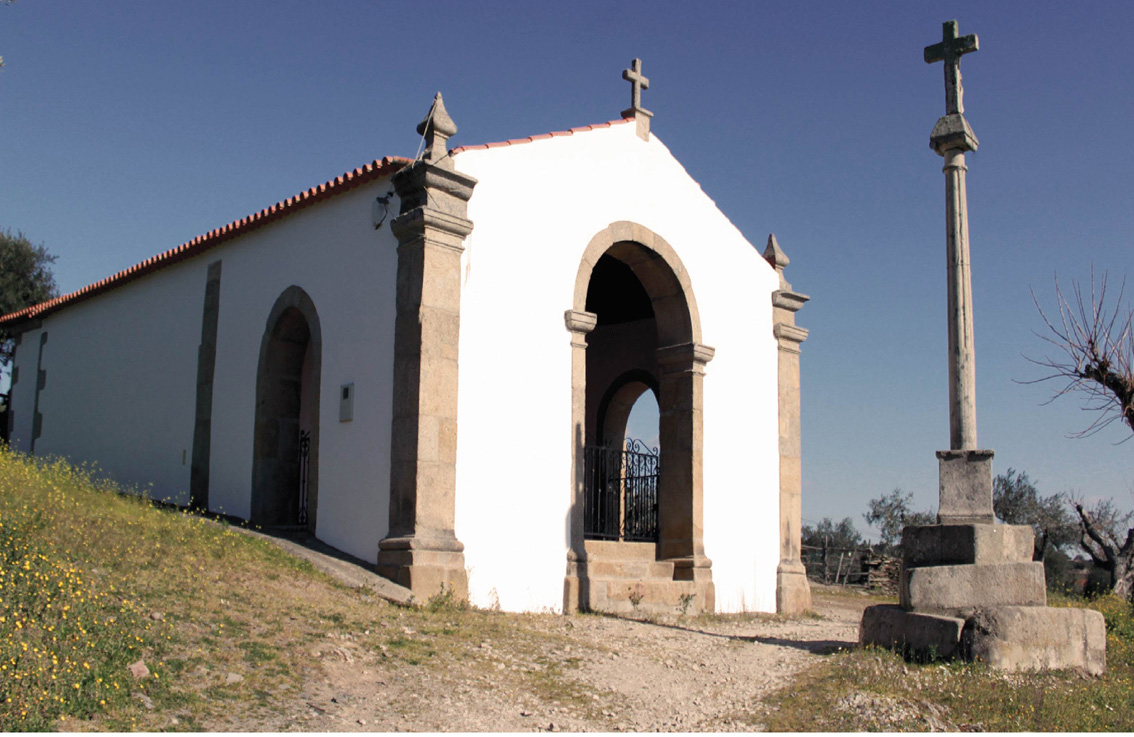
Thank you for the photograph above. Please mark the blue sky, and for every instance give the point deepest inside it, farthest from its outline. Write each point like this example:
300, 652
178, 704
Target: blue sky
127, 128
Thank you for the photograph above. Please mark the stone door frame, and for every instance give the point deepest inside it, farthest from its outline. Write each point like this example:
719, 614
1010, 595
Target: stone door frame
681, 359
294, 297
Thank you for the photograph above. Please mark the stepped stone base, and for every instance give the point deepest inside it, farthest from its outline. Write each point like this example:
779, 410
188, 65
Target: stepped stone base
972, 591
1011, 638
627, 578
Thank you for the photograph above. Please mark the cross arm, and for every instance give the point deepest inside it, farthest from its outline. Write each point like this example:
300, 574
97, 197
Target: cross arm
952, 48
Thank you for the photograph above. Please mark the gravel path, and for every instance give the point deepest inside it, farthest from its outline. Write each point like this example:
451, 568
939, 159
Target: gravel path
592, 673
568, 673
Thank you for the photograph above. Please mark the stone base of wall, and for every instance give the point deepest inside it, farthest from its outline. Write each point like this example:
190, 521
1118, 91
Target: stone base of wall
627, 578
793, 593
423, 571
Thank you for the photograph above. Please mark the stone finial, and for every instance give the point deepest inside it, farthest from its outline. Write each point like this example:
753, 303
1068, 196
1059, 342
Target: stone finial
436, 129
776, 257
638, 82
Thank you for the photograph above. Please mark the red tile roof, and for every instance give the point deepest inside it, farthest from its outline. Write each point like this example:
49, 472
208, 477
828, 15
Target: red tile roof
202, 243
348, 181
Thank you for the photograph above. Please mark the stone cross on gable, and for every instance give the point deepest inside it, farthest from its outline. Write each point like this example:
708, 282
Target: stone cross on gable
950, 50
638, 82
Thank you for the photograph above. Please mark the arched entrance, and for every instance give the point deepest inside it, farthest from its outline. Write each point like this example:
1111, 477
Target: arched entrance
635, 326
285, 468
617, 403
621, 470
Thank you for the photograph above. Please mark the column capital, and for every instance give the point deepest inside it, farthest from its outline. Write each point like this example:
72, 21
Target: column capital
785, 299
580, 322
685, 357
417, 223
422, 184
789, 336
951, 132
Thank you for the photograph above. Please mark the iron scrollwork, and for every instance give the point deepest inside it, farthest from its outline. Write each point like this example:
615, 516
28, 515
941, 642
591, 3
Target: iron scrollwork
621, 492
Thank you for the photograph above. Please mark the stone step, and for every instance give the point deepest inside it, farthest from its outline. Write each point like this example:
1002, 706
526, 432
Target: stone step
630, 570
937, 545
922, 635
610, 549
661, 597
958, 590
1037, 638
1011, 638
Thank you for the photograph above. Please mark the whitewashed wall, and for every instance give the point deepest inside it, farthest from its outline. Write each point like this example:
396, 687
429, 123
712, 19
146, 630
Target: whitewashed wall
348, 269
23, 391
121, 374
122, 367
536, 208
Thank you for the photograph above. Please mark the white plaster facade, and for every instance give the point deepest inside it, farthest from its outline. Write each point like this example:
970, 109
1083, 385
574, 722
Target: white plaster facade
121, 367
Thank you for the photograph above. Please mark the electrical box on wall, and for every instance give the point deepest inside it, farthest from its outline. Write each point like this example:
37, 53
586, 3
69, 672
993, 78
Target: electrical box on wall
346, 403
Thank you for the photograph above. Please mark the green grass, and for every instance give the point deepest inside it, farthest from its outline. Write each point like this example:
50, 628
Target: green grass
872, 689
94, 577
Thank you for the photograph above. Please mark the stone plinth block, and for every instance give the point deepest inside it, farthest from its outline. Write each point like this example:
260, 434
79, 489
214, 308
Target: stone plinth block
912, 633
426, 571
966, 487
952, 131
937, 545
1037, 638
958, 590
793, 593
922, 635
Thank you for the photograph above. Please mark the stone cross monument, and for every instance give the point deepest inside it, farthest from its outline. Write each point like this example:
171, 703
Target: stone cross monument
965, 471
969, 587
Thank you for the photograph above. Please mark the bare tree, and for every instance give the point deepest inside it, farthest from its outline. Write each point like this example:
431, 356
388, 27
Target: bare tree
1100, 533
1096, 353
1096, 360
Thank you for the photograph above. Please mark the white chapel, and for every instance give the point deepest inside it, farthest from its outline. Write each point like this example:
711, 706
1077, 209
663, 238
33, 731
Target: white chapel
429, 364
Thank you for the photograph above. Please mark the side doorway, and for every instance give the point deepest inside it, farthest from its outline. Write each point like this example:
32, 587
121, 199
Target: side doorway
285, 468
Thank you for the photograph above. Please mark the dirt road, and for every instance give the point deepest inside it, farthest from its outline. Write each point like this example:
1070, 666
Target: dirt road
578, 673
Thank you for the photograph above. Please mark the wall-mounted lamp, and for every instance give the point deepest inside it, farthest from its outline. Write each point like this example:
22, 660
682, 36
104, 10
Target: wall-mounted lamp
381, 209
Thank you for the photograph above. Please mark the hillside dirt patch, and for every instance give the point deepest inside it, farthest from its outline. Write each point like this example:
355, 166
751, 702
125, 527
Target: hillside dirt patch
451, 670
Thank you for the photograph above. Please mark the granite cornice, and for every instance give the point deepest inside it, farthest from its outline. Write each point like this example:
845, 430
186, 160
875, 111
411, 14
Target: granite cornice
417, 221
788, 334
421, 176
785, 299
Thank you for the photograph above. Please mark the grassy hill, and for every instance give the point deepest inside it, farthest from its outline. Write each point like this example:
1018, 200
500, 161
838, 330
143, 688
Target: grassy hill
94, 580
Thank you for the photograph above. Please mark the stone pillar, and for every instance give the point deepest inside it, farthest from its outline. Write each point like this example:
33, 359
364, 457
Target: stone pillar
965, 471
951, 138
422, 552
793, 594
580, 324
681, 524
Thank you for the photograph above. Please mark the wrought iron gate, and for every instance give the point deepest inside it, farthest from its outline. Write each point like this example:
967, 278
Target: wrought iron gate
621, 492
304, 459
